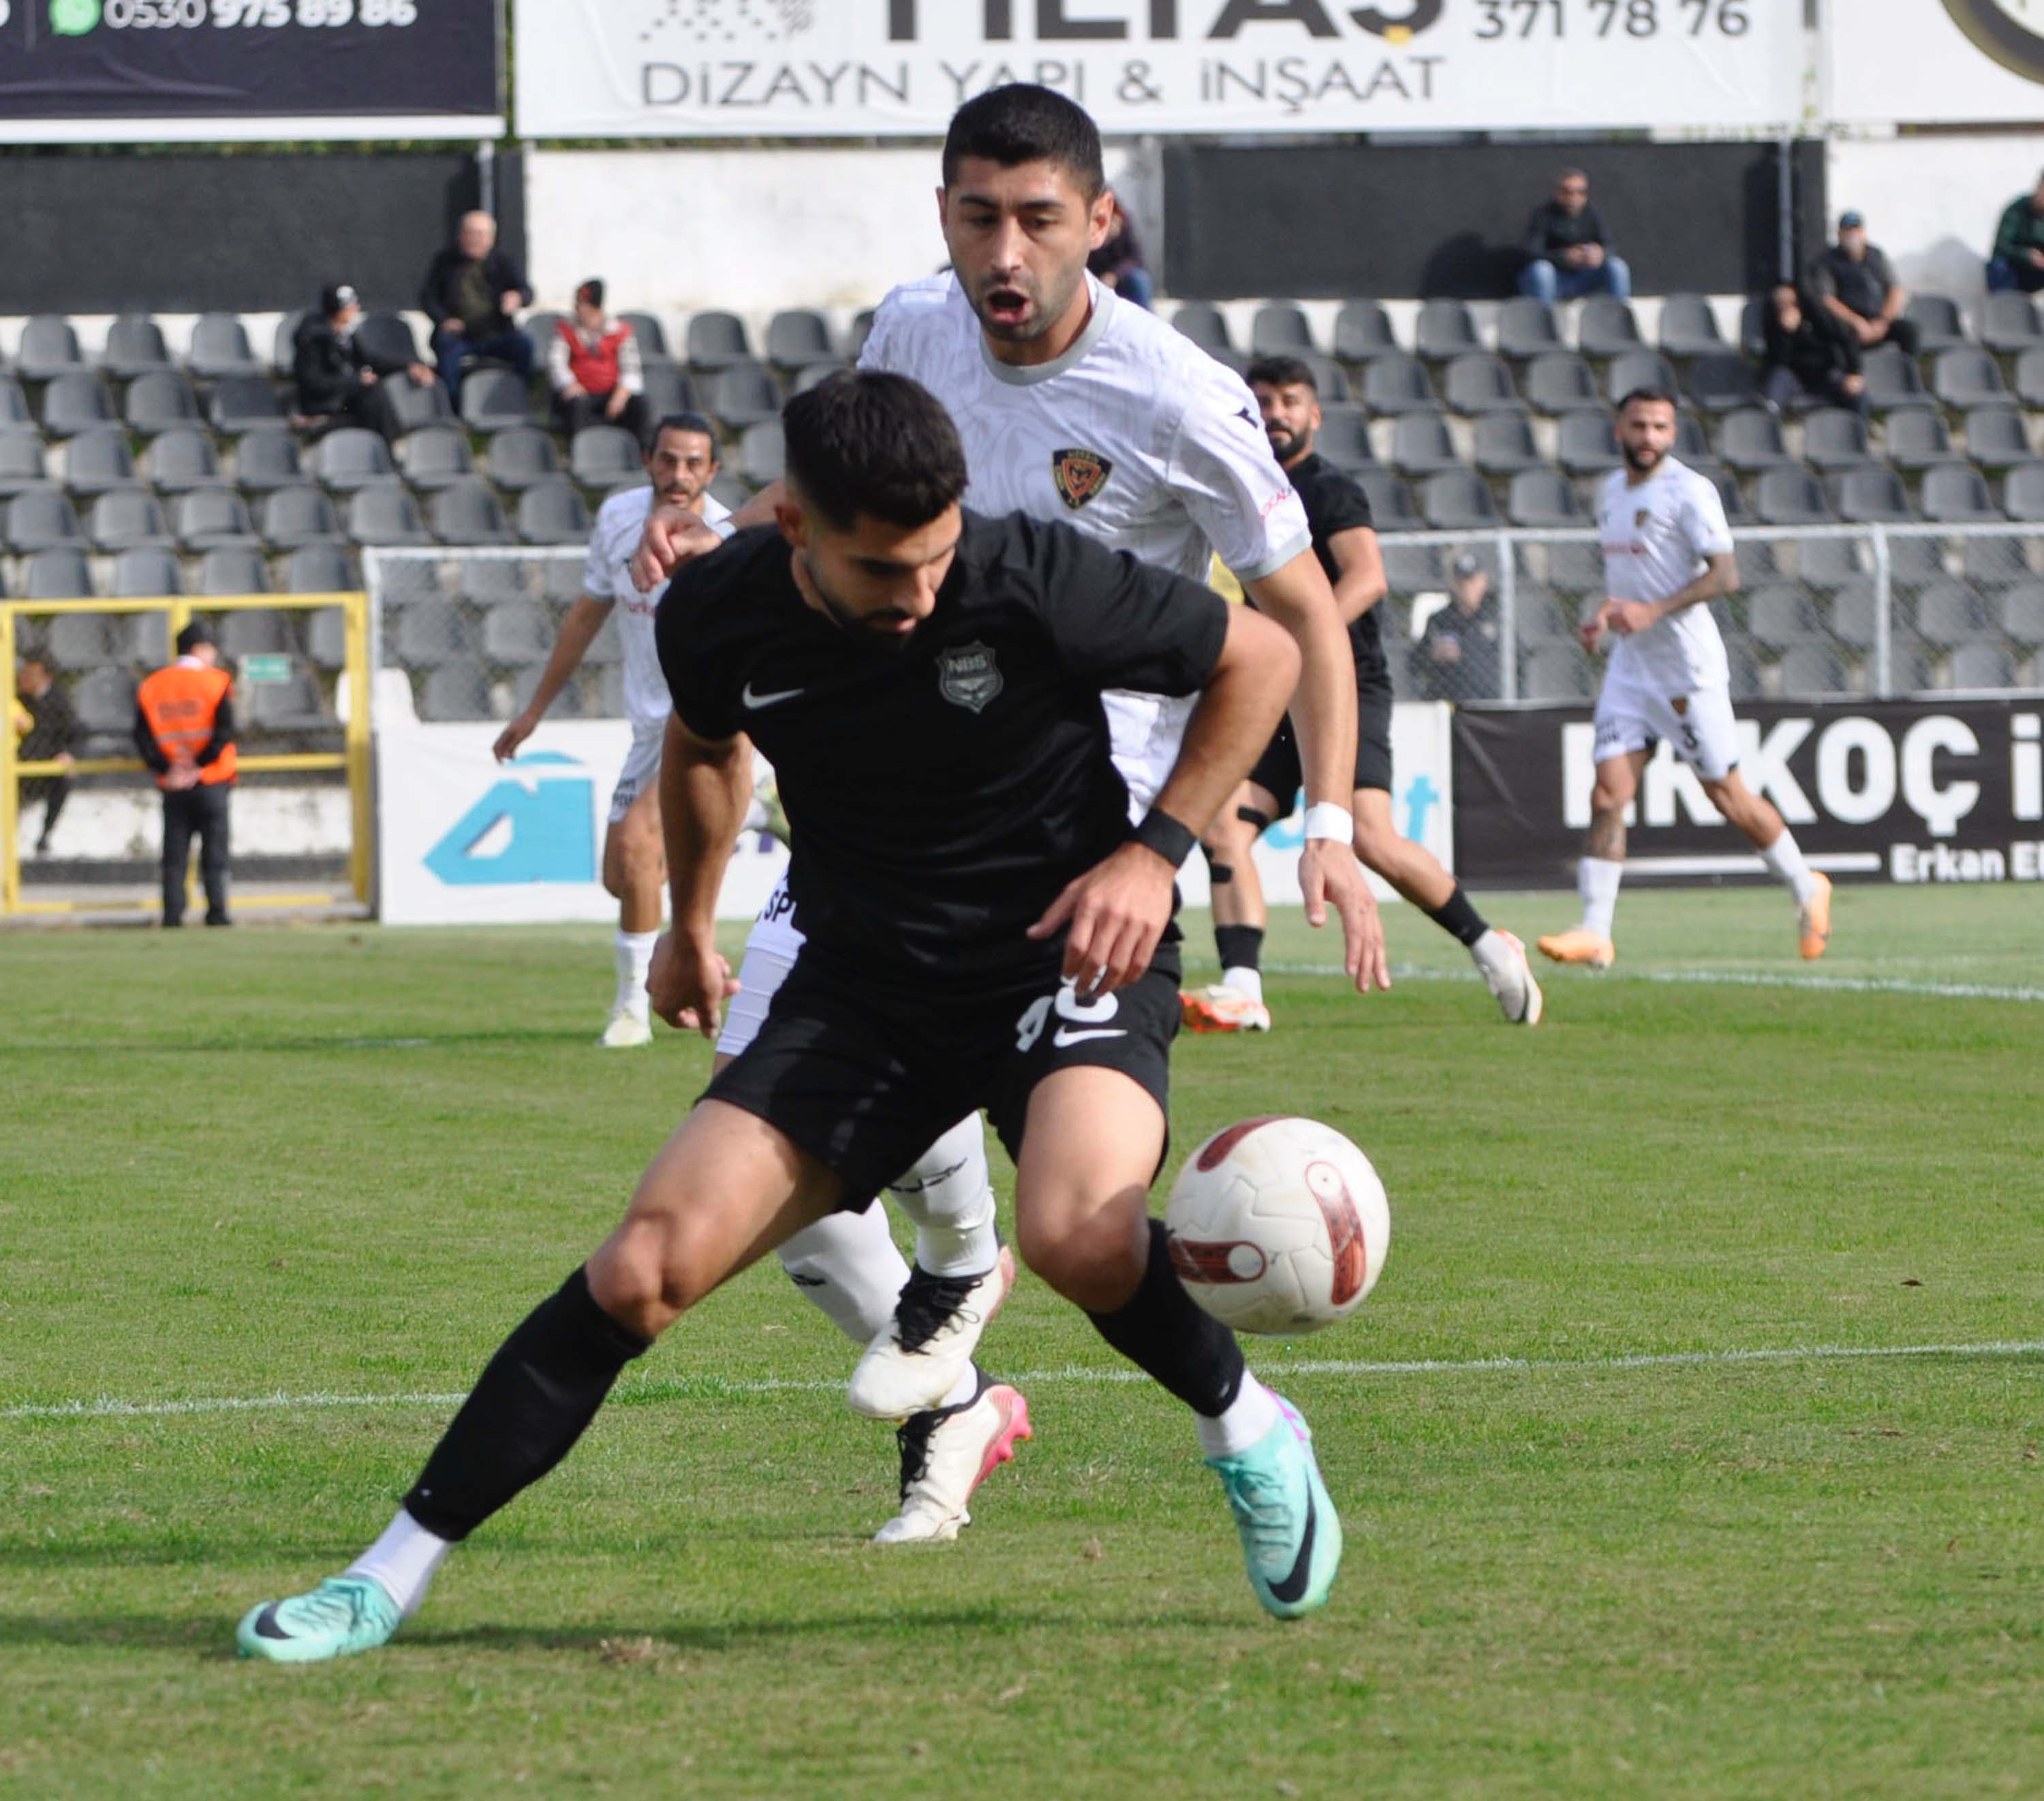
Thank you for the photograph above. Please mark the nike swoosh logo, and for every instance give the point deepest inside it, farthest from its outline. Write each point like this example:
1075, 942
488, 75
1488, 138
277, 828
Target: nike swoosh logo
1293, 1587
753, 700
267, 1626
1065, 1035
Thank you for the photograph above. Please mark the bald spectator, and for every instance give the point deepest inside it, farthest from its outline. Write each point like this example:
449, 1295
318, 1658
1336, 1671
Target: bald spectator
2018, 261
1854, 282
1567, 253
594, 367
473, 294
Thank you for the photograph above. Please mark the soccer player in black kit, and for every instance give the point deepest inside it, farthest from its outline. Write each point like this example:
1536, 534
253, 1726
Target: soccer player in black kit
1345, 541
984, 929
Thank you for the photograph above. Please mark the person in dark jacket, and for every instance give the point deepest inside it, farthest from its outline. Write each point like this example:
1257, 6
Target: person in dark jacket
1567, 253
2017, 260
47, 729
1854, 282
338, 378
1118, 263
1457, 657
1809, 357
473, 293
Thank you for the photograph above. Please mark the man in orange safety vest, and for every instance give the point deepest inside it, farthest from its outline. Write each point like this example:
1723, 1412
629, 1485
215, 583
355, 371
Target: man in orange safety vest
184, 729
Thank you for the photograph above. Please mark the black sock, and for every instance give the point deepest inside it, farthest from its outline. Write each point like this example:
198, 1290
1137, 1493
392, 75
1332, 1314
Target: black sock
1458, 918
527, 1409
1162, 1330
1241, 948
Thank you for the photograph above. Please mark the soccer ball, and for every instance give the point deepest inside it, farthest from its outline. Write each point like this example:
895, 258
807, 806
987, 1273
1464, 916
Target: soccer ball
1278, 1225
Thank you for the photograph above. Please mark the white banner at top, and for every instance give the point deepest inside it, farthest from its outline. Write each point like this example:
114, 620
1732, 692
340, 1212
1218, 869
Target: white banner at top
1935, 62
821, 68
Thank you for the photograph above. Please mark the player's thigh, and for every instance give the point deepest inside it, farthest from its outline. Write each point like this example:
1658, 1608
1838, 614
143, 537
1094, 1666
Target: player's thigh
1624, 729
1704, 733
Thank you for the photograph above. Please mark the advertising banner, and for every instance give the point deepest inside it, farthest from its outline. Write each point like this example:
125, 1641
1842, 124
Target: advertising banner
1934, 62
1903, 791
812, 68
75, 71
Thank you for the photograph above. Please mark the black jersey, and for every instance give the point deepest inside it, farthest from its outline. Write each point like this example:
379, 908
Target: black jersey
942, 792
1334, 503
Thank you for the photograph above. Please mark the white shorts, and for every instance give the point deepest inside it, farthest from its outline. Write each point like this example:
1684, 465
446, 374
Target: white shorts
642, 767
1631, 716
771, 949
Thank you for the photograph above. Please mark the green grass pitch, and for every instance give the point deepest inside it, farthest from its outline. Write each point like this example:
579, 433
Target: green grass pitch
1689, 1447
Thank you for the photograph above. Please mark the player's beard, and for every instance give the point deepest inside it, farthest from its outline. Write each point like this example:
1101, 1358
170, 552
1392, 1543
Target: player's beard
1643, 460
1284, 444
859, 627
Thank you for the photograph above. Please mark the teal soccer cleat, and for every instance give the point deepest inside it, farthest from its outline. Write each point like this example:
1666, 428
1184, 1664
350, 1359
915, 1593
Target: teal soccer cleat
1291, 1534
345, 1614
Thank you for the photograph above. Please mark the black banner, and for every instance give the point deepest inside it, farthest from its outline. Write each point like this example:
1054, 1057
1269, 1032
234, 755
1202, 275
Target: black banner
1904, 791
129, 63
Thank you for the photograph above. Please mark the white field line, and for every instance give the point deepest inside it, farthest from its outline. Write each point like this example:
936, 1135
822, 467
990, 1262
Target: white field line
711, 1388
1724, 978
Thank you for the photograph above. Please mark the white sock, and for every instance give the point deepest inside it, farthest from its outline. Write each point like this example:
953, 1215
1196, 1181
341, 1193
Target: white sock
1250, 1416
950, 1196
1784, 857
846, 1264
1597, 881
402, 1562
1247, 982
633, 951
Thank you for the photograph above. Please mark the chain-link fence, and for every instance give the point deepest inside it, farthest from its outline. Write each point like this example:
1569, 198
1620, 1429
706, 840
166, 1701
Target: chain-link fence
1821, 610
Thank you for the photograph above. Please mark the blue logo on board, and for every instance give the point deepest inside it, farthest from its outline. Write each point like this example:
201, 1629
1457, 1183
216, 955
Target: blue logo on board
548, 826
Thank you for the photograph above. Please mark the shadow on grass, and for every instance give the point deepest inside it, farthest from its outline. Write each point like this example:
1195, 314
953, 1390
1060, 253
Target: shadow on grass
40, 1049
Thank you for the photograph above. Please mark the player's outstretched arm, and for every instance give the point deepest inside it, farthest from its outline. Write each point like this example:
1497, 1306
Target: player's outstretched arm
1118, 910
673, 535
585, 619
705, 787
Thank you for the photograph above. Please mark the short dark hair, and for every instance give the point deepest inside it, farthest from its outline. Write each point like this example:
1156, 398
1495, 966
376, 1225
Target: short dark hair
197, 633
591, 291
860, 441
683, 422
1281, 372
1024, 123
1649, 391
36, 655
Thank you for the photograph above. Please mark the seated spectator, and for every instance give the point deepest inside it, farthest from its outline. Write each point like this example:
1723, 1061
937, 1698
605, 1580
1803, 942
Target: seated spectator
45, 729
1456, 658
1810, 358
473, 293
1118, 263
1567, 254
1854, 282
337, 380
595, 369
2018, 258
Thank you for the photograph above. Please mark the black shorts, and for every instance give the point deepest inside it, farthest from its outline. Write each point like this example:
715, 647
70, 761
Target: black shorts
1277, 769
865, 1081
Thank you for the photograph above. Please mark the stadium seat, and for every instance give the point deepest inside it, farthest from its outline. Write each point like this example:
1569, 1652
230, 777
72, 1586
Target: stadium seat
98, 460
799, 339
762, 453
1445, 330
1968, 376
857, 332
21, 463
76, 402
1893, 380
1938, 325
1993, 562
2023, 492
1854, 615
326, 638
387, 337
1330, 379
1980, 666
1420, 444
652, 335
1477, 383
42, 519
182, 459
1835, 438
518, 632
457, 691
295, 705
1728, 492
209, 518
717, 341
232, 569
254, 631
492, 399
1691, 445
60, 574
1280, 329
2009, 324
743, 394
1826, 562
1721, 381
1916, 559
601, 454
134, 347
1813, 668
670, 390
1526, 329
466, 512
1343, 439
1390, 500
1950, 613
1559, 383
319, 569
49, 349
816, 372
384, 513
1997, 438
1362, 332
267, 460
1956, 494
14, 413
346, 460
292, 516
244, 403
1199, 319
487, 581
567, 705
1751, 440
122, 518
1741, 667
521, 456
282, 340
1576, 567
220, 348
1397, 384
430, 633
85, 640
104, 701
1780, 614
1546, 620
415, 406
1458, 500
2023, 613
1412, 569
1542, 498
538, 328
1917, 440
1607, 328
1863, 496
160, 401
1504, 444
1589, 444
1555, 674
1791, 497
553, 513
1688, 327
434, 456
560, 581
1634, 369
727, 490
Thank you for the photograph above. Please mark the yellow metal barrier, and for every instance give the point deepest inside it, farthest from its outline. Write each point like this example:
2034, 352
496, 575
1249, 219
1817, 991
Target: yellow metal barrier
353, 757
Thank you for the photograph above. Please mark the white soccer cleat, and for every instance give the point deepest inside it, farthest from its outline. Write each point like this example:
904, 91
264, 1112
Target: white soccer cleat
626, 1031
1511, 979
945, 1454
918, 1358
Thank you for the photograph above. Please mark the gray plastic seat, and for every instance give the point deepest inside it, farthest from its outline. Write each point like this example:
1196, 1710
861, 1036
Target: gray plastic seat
160, 400
1689, 327
209, 518
292, 516
244, 403
2023, 492
860, 329
518, 632
319, 569
182, 460
1420, 444
75, 403
567, 703
1893, 380
1865, 495
58, 574
1446, 329
799, 339
1692, 444
1542, 498
1343, 438
1588, 444
1751, 440
326, 638
1412, 569
429, 632
1397, 384
1280, 329
743, 393
14, 413
1363, 332
522, 455
1458, 500
220, 348
85, 640
1827, 562
2022, 610
48, 349
601, 454
1545, 619
1721, 382
762, 453
467, 513
1330, 379
1981, 666
436, 456
1950, 612
1559, 383
21, 463
1201, 321
122, 518
417, 407
1915, 560
351, 458
1634, 369
486, 580
1780, 614
247, 631
1938, 326
456, 691
267, 460
717, 341
2009, 324
553, 513
670, 390
387, 337
1956, 494
1503, 444
1835, 438
98, 461
1478, 383
134, 347
384, 513
1607, 327
1527, 328
232, 569
1791, 497
1391, 504
1993, 562
652, 335
1813, 668
492, 399
1968, 376
1576, 567
1997, 438
104, 700
295, 705
1555, 674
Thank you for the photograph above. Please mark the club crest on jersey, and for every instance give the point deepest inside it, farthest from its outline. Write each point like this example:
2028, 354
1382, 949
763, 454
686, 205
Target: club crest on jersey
968, 677
1080, 475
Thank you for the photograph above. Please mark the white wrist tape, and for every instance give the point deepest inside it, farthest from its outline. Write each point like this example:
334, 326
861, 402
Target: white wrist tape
1326, 820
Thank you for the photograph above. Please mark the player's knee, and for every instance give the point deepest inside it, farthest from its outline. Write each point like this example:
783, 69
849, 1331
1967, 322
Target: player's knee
1094, 1259
1610, 797
643, 1277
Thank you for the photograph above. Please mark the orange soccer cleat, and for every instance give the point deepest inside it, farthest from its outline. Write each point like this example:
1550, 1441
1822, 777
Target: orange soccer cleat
1813, 920
1218, 1009
1580, 945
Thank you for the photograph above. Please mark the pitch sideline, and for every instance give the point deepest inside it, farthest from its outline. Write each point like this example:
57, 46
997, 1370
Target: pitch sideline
1716, 978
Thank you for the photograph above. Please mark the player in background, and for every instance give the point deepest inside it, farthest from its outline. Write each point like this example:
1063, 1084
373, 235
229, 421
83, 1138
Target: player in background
1345, 541
1667, 554
681, 462
1077, 406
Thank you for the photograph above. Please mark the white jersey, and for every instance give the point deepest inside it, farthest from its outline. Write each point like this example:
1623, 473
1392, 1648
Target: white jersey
607, 576
1134, 436
1655, 535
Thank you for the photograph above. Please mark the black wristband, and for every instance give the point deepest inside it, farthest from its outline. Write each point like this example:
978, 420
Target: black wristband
1164, 835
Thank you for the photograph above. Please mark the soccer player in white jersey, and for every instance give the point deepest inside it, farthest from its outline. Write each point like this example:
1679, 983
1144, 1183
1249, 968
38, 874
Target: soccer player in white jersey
1667, 554
1076, 406
682, 463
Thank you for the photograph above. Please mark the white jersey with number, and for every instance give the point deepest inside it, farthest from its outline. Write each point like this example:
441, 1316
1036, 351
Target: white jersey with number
1656, 535
1134, 436
607, 576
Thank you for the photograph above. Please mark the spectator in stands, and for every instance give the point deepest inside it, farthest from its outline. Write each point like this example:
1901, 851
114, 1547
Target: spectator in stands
1809, 355
45, 729
595, 369
473, 293
2017, 258
184, 729
1854, 282
1118, 263
1567, 254
1457, 656
337, 380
